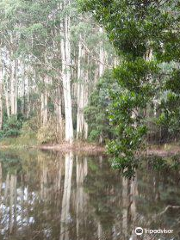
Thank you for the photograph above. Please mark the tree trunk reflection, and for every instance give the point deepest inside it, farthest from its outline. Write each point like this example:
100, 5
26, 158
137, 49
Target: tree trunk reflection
65, 211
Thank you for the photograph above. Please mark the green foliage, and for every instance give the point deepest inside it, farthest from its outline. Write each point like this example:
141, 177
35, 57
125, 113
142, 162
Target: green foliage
130, 25
28, 133
47, 133
31, 34
170, 105
11, 127
136, 28
96, 113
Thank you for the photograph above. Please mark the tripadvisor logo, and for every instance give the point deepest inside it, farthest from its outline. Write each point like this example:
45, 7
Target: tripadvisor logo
139, 231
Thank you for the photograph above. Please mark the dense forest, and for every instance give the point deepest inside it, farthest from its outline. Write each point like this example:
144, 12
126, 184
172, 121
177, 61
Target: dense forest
51, 59
89, 119
102, 71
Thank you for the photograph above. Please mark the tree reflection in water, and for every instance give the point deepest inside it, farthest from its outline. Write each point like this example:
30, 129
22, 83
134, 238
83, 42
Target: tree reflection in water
47, 195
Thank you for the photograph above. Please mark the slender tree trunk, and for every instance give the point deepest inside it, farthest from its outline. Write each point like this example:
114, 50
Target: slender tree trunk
58, 109
44, 115
28, 91
6, 85
85, 103
6, 191
12, 89
13, 96
101, 56
79, 96
66, 76
15, 87
82, 95
24, 89
44, 103
96, 76
0, 183
1, 93
7, 102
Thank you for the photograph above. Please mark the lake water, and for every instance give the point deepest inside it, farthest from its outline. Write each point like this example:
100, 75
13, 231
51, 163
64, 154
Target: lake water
55, 196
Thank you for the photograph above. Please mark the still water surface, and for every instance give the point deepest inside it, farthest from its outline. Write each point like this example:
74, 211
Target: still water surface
55, 196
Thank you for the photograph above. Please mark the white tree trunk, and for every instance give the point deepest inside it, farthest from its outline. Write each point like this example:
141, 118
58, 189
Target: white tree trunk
0, 183
44, 102
44, 114
1, 93
7, 102
82, 95
66, 76
58, 110
101, 56
12, 89
13, 86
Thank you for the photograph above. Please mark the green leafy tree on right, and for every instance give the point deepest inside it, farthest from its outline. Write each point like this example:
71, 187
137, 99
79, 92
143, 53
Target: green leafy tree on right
145, 35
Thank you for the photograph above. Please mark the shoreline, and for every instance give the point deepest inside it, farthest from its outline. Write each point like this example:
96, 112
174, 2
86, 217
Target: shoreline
75, 147
164, 150
78, 147
158, 150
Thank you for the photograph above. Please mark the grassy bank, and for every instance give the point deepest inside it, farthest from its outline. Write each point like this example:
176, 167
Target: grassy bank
18, 142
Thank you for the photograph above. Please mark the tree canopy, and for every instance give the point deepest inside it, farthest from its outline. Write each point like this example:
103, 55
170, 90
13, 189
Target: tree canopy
145, 37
